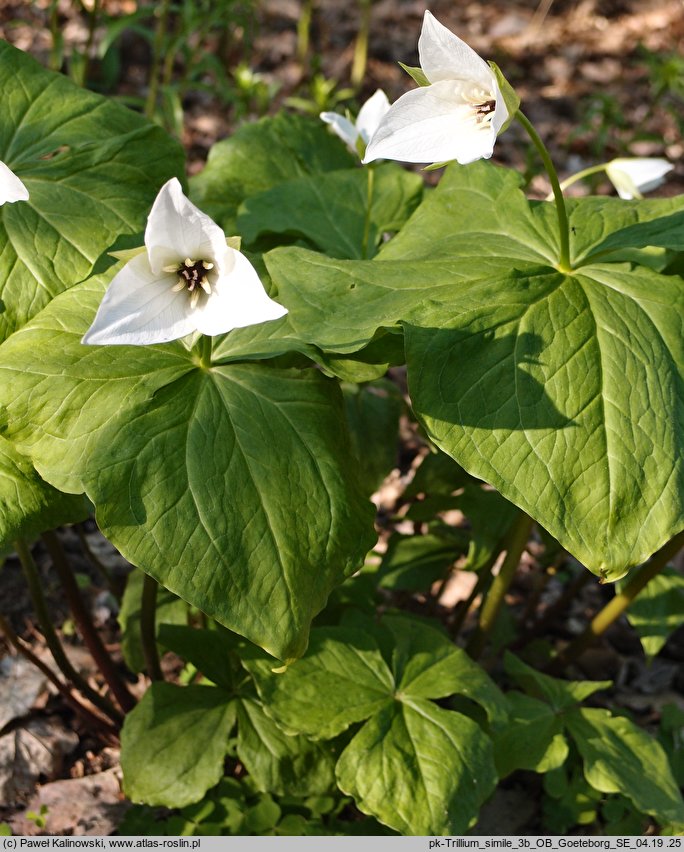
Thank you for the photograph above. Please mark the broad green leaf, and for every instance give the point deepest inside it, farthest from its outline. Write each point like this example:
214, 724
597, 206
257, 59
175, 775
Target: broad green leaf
212, 652
560, 694
261, 155
342, 213
621, 758
490, 516
169, 609
671, 737
342, 679
419, 769
566, 394
278, 763
92, 169
415, 562
28, 505
242, 472
373, 412
339, 305
533, 738
611, 227
438, 473
427, 664
658, 610
161, 761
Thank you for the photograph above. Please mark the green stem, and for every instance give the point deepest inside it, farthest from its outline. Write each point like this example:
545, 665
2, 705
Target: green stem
361, 48
85, 624
563, 228
157, 48
303, 30
481, 587
92, 24
591, 170
370, 172
204, 351
516, 541
51, 638
617, 606
91, 718
148, 629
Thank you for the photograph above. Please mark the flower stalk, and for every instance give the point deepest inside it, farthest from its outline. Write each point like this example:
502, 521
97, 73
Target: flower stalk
515, 543
370, 178
85, 625
52, 640
148, 628
561, 212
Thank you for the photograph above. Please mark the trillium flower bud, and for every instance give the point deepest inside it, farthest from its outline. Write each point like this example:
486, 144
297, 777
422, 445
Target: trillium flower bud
632, 176
357, 135
185, 279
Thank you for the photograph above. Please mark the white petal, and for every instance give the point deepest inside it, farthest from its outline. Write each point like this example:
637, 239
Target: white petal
11, 188
238, 300
371, 114
633, 175
176, 229
443, 56
342, 127
139, 307
431, 125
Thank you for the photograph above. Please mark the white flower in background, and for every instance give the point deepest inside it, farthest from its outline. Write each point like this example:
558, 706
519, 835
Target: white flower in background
369, 117
186, 279
632, 176
456, 117
11, 188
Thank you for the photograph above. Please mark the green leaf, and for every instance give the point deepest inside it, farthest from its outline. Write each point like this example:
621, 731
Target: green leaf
342, 679
415, 562
657, 611
28, 505
86, 163
560, 694
533, 738
621, 758
212, 652
373, 412
331, 210
174, 742
427, 664
169, 609
199, 464
419, 769
278, 763
261, 155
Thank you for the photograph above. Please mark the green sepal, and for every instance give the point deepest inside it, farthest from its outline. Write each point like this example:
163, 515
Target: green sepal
416, 74
508, 93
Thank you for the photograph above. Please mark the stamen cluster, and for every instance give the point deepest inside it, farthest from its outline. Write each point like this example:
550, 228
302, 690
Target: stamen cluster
192, 275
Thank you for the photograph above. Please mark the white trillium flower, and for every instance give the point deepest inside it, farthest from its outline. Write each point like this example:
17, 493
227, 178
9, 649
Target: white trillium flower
367, 122
11, 188
186, 279
632, 176
456, 117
